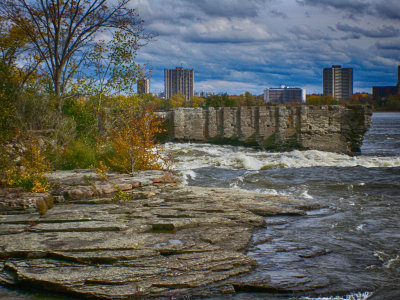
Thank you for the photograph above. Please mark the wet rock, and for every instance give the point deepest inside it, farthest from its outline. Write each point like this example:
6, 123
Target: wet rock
163, 227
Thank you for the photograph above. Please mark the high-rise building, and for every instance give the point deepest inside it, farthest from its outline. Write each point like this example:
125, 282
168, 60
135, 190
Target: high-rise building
398, 76
143, 86
285, 94
338, 82
386, 91
179, 81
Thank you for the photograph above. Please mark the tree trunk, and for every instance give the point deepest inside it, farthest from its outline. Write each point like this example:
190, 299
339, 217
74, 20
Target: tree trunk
57, 88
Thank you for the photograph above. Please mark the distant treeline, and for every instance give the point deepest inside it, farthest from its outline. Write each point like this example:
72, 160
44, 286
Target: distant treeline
391, 103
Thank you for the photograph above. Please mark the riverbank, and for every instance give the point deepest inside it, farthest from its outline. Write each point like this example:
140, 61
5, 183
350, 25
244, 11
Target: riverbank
141, 236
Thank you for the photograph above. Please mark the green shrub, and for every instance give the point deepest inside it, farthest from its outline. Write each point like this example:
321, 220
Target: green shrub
8, 94
83, 114
78, 155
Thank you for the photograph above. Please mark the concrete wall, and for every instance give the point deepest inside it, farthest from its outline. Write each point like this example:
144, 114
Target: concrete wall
327, 128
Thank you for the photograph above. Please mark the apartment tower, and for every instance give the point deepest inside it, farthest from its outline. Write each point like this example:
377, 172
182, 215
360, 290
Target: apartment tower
379, 92
179, 81
338, 82
398, 77
143, 86
285, 94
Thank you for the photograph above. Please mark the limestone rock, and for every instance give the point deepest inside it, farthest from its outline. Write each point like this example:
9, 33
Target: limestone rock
166, 179
169, 241
327, 128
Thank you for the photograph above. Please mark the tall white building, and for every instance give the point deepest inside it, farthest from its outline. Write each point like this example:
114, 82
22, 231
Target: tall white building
285, 94
179, 81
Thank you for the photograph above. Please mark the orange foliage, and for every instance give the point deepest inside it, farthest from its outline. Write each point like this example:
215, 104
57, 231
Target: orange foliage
133, 142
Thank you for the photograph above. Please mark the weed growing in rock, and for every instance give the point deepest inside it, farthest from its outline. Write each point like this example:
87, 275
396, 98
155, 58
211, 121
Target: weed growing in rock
101, 171
120, 195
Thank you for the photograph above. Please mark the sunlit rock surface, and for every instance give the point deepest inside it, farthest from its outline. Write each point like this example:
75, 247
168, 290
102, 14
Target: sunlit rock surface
169, 240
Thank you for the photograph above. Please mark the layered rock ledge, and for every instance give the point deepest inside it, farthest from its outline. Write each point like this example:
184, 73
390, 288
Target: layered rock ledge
145, 236
326, 128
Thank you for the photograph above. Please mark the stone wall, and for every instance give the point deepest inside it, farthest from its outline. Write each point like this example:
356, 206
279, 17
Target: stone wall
326, 128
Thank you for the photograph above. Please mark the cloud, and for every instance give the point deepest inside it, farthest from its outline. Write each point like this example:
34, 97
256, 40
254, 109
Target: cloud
388, 45
237, 46
353, 6
383, 32
278, 14
307, 33
389, 9
230, 8
223, 30
230, 86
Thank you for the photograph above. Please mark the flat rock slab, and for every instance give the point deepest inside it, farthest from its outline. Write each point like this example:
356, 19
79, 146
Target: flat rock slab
174, 240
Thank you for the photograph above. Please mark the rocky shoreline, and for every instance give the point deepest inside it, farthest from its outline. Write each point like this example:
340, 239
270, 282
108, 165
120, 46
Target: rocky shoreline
142, 236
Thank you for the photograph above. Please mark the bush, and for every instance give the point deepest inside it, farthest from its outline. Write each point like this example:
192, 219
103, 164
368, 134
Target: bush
82, 112
8, 94
26, 164
130, 141
79, 154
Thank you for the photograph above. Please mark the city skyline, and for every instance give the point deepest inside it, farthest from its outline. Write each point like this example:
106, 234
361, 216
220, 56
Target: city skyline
237, 46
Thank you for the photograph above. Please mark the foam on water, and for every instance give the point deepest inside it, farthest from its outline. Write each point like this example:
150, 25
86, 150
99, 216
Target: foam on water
390, 261
186, 174
191, 156
356, 296
305, 195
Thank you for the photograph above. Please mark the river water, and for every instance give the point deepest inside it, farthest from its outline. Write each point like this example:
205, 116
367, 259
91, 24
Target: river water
349, 248
351, 245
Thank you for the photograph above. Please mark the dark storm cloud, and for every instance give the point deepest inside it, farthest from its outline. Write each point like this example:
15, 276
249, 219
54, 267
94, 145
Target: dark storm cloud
305, 32
230, 8
388, 45
237, 46
389, 9
278, 14
381, 9
353, 6
383, 32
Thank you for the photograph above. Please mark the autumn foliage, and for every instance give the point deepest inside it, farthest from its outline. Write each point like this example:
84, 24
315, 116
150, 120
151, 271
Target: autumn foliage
67, 98
26, 165
130, 140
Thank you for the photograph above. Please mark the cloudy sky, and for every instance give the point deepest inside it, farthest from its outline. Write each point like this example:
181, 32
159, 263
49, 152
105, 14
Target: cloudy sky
248, 45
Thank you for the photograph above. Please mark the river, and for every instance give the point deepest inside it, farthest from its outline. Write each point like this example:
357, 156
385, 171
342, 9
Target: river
351, 245
348, 248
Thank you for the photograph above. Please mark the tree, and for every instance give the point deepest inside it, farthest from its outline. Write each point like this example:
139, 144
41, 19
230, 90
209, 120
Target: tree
14, 46
321, 100
177, 100
250, 101
12, 42
113, 69
60, 32
8, 93
198, 101
132, 135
